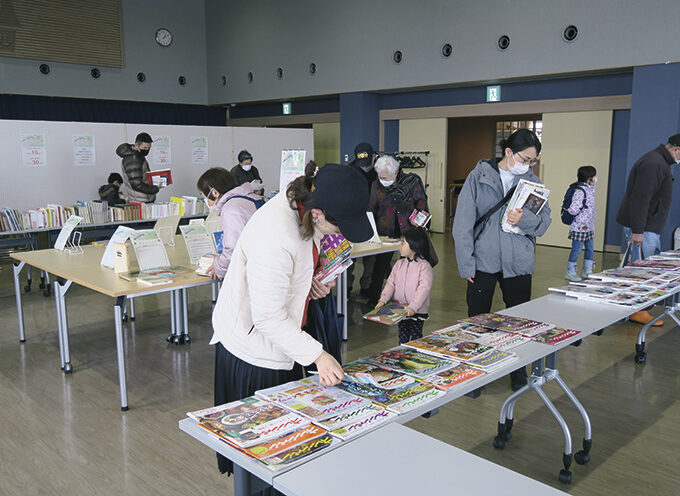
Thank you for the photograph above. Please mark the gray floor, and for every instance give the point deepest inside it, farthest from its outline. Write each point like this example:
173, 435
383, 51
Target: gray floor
66, 434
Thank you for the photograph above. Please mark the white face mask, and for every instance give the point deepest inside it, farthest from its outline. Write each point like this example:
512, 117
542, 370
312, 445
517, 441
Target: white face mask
594, 180
386, 184
246, 167
518, 168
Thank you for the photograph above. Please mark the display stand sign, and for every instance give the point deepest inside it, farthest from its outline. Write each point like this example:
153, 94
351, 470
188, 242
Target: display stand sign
198, 241
66, 230
166, 227
83, 151
149, 249
292, 166
120, 236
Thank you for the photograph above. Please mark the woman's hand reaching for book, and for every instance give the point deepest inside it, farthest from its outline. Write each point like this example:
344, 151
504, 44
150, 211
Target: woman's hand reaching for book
320, 290
514, 216
330, 371
379, 304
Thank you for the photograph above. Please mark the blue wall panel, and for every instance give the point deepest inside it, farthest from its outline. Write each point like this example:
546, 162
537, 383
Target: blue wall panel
359, 122
618, 172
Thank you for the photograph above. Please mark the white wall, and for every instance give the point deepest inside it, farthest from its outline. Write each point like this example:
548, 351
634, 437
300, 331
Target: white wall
140, 19
352, 42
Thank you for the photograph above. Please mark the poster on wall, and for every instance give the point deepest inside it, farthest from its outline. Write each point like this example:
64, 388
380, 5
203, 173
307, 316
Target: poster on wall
161, 150
199, 150
292, 166
33, 152
83, 150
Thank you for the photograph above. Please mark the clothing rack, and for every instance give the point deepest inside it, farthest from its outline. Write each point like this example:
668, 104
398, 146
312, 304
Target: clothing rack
411, 160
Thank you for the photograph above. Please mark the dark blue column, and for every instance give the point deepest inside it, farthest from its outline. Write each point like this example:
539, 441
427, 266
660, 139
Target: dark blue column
654, 116
359, 121
391, 136
618, 173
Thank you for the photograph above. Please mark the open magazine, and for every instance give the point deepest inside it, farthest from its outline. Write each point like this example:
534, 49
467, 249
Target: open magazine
527, 196
334, 257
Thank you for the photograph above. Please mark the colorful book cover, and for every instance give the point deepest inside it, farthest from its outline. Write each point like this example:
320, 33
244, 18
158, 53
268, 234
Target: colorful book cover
217, 239
506, 323
286, 442
334, 257
349, 417
376, 376
454, 377
249, 421
584, 291
658, 264
632, 274
363, 424
501, 340
492, 361
396, 400
160, 178
437, 344
556, 335
409, 361
594, 283
293, 455
389, 314
312, 400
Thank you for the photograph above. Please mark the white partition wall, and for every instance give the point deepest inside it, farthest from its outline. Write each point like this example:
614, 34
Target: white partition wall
184, 172
58, 180
266, 144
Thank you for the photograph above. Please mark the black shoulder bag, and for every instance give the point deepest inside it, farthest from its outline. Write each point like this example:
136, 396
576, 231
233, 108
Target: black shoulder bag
482, 220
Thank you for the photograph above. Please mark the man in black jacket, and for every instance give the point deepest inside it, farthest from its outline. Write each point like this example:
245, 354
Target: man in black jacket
246, 172
135, 167
109, 192
645, 206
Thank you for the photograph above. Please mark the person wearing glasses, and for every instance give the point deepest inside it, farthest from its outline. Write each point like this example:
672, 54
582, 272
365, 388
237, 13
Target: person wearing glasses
486, 254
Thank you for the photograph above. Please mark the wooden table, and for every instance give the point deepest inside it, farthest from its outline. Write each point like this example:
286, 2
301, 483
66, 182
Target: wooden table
85, 269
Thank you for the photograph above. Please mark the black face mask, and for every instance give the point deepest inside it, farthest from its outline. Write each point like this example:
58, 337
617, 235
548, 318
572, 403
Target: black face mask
143, 153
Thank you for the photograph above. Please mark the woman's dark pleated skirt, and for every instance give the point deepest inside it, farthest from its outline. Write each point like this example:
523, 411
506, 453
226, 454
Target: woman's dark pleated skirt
236, 379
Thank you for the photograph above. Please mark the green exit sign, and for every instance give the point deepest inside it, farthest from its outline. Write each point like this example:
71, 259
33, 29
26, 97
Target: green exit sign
493, 93
286, 108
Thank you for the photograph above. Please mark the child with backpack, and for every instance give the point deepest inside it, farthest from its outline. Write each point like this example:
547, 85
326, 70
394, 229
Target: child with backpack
578, 211
410, 282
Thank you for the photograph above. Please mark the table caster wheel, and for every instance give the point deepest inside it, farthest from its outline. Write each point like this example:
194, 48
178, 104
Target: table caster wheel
125, 318
176, 339
581, 457
498, 442
187, 339
68, 368
41, 285
565, 476
27, 288
47, 293
599, 333
641, 357
170, 338
577, 343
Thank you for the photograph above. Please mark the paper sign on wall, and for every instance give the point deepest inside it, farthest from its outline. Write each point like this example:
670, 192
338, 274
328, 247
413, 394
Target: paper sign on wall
83, 150
199, 150
33, 152
292, 166
161, 150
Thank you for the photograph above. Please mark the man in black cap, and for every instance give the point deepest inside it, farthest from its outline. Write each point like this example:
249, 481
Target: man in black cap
364, 158
645, 206
246, 172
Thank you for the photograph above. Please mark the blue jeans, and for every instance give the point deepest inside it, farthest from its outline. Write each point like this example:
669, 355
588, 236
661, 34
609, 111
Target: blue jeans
651, 244
577, 246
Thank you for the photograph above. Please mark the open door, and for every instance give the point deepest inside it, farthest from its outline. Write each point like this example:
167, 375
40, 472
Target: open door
570, 140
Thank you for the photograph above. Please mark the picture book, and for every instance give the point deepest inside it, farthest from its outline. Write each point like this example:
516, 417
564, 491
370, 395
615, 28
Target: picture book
376, 376
389, 314
519, 325
363, 424
285, 442
420, 217
160, 177
249, 421
556, 335
397, 400
493, 360
293, 455
454, 377
452, 349
409, 361
307, 397
349, 417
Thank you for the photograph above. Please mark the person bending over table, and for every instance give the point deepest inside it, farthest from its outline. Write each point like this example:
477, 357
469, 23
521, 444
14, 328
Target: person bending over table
394, 196
260, 310
234, 204
485, 253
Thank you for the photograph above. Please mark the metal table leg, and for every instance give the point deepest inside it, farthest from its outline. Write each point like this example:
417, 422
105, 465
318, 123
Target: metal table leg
61, 286
183, 336
173, 319
671, 307
131, 307
118, 318
246, 484
57, 306
16, 270
213, 291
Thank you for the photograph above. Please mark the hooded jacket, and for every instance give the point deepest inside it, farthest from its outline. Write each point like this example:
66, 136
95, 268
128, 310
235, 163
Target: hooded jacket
134, 168
410, 283
488, 248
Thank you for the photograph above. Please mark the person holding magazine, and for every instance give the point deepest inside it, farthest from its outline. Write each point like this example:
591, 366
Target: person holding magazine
234, 204
410, 283
261, 308
488, 255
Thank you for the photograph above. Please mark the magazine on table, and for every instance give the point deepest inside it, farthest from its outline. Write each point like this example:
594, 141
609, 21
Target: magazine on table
398, 400
662, 264
296, 455
452, 349
501, 340
630, 274
519, 325
363, 424
527, 196
389, 314
376, 376
285, 442
585, 292
409, 361
493, 360
249, 421
595, 283
307, 397
349, 417
454, 377
556, 335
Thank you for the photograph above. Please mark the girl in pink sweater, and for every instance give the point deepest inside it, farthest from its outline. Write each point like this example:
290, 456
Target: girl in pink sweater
410, 283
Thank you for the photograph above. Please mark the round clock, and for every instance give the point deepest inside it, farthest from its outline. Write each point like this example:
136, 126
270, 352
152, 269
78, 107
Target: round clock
163, 37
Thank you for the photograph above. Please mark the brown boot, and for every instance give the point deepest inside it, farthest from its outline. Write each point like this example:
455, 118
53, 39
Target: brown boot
643, 317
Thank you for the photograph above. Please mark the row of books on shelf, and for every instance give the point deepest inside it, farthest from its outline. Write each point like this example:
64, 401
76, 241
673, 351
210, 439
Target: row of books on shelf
282, 425
634, 286
97, 212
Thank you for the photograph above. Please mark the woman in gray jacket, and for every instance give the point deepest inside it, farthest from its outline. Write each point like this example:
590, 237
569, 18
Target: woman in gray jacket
485, 253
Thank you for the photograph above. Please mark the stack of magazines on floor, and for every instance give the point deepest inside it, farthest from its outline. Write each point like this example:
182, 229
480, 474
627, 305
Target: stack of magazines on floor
280, 426
634, 286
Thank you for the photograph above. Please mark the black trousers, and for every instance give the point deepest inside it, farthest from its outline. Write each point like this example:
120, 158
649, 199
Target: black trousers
236, 379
